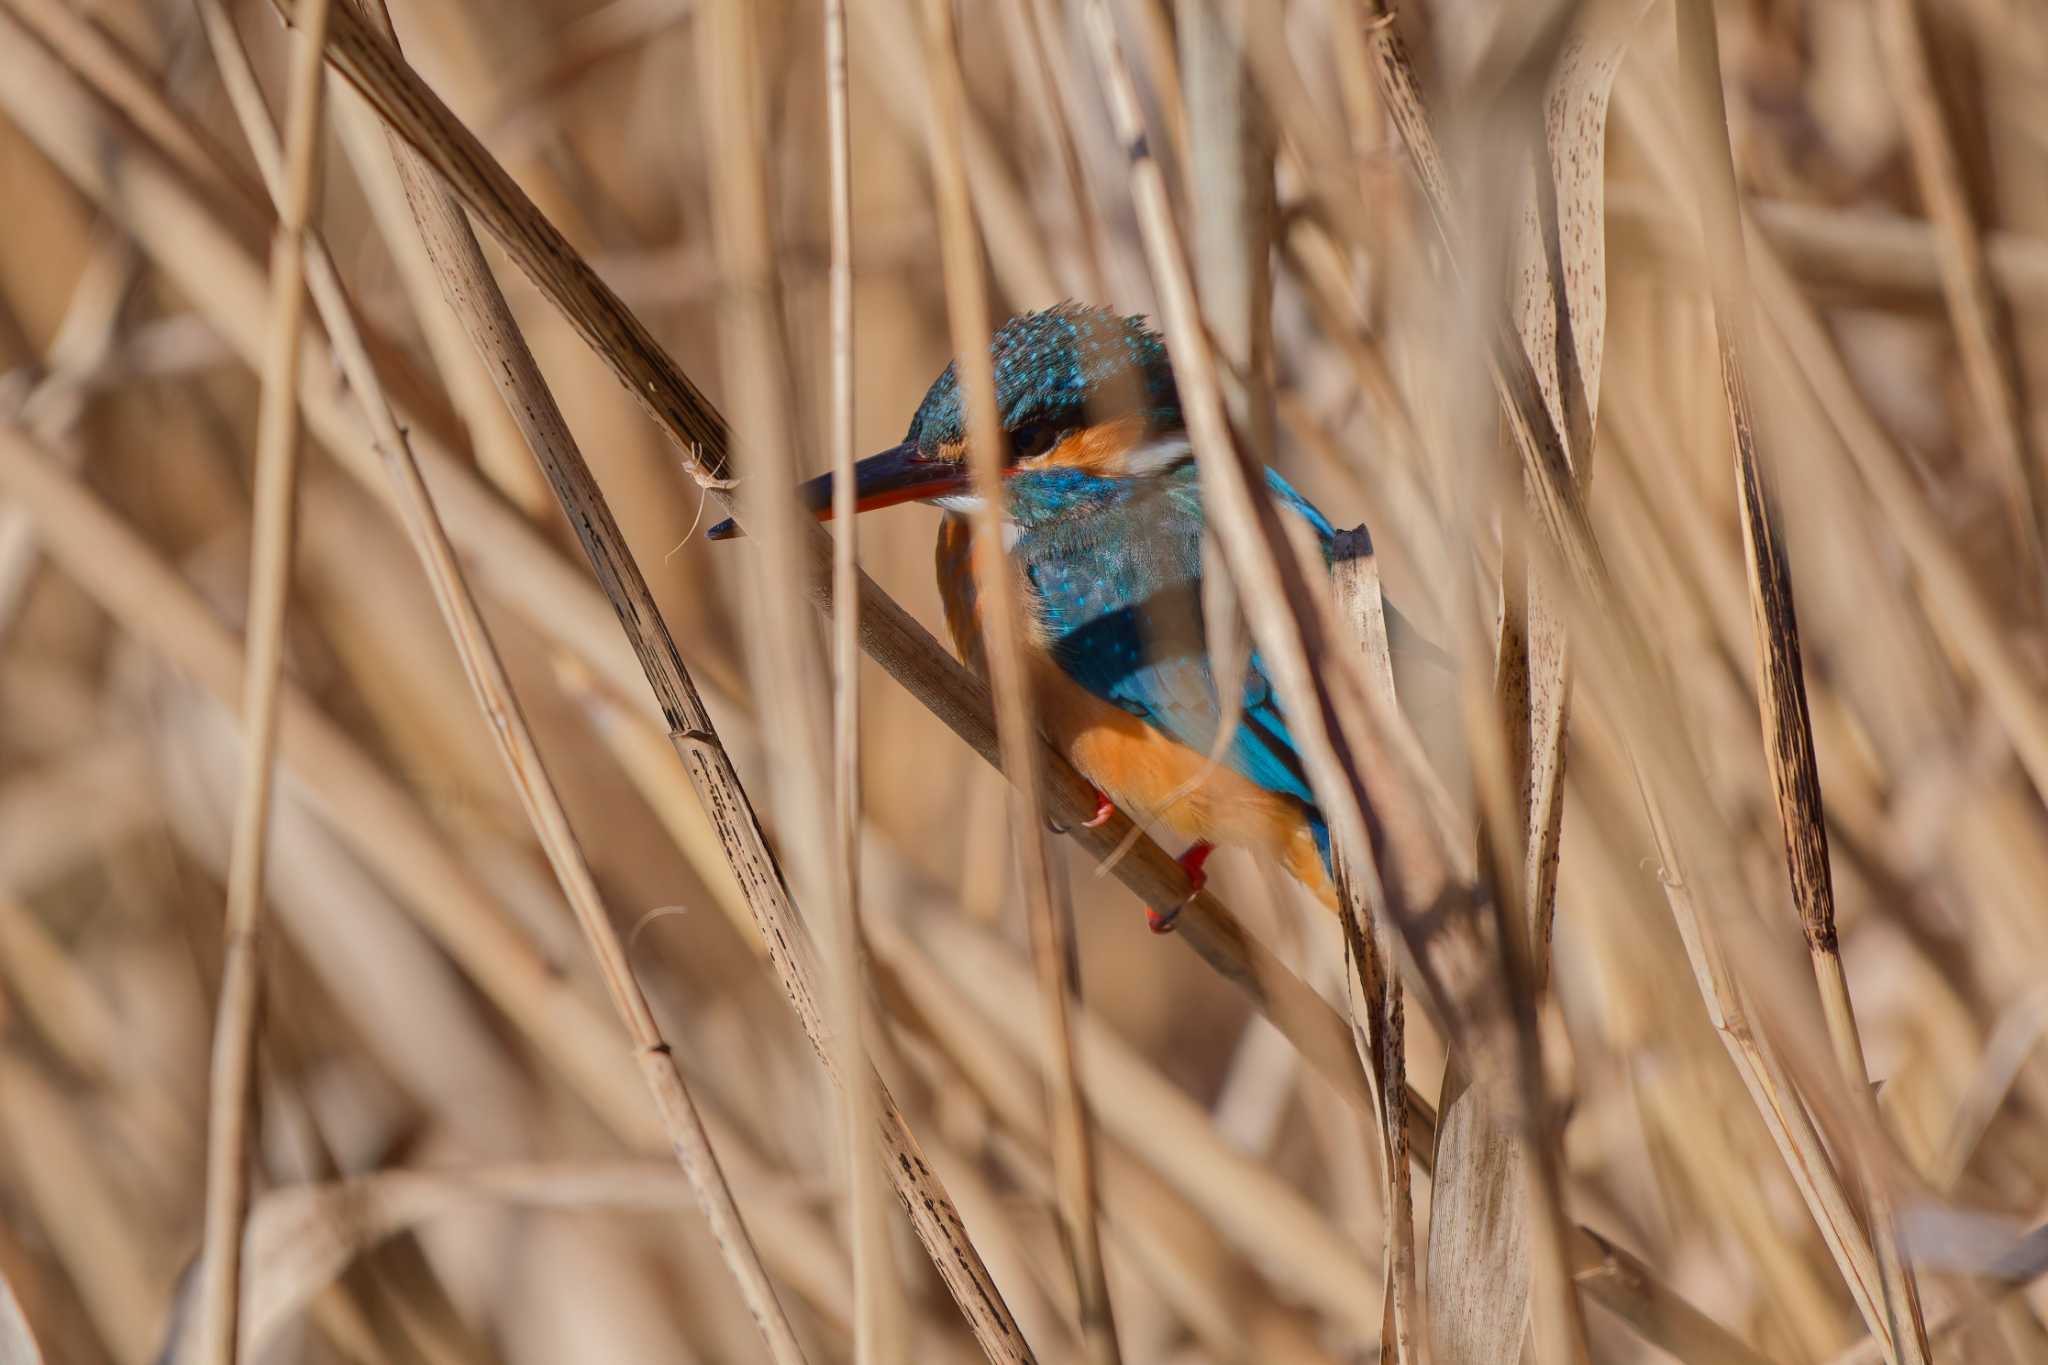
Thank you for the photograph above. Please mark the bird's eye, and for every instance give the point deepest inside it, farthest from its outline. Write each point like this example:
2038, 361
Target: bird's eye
1033, 440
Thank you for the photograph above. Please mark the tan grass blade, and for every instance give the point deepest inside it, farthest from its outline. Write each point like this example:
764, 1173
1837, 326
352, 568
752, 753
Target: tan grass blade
232, 1088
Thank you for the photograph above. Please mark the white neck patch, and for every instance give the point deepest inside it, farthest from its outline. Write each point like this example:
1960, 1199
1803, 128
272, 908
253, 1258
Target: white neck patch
967, 504
1157, 455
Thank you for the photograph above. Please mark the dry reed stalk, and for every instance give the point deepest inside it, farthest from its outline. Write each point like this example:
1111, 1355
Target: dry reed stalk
1558, 305
690, 727
389, 980
1863, 253
1990, 362
1284, 615
521, 755
1560, 312
499, 449
879, 1318
231, 1088
643, 752
1049, 906
1788, 733
1940, 576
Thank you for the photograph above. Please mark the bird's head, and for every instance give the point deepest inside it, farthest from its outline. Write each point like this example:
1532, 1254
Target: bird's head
1076, 387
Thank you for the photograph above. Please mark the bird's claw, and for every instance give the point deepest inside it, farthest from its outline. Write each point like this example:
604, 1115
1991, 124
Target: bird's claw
1105, 811
1191, 862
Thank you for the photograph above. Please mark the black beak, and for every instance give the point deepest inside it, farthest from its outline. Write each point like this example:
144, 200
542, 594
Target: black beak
898, 474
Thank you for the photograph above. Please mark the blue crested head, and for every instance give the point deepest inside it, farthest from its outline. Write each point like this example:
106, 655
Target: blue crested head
1082, 392
1058, 371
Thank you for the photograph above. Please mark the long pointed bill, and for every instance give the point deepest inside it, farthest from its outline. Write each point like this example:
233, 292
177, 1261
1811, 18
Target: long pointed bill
898, 474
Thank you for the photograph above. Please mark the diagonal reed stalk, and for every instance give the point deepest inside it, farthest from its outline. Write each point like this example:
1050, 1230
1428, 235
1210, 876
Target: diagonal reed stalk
507, 724
476, 298
232, 1084
998, 605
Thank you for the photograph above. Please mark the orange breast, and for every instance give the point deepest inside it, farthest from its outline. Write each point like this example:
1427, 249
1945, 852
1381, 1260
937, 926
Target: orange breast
1164, 785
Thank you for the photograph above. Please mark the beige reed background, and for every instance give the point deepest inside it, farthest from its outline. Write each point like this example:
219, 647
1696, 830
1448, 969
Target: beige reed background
1671, 317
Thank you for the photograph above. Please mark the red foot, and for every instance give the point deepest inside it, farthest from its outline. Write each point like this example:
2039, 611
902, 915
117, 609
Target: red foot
1103, 812
1192, 863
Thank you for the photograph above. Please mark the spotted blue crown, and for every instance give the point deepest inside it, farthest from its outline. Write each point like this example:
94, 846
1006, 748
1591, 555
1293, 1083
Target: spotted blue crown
1068, 366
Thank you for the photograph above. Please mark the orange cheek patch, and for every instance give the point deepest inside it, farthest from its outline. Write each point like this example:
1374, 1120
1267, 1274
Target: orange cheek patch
1099, 449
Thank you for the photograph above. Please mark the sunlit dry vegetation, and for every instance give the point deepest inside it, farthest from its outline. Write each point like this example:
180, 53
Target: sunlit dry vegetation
642, 957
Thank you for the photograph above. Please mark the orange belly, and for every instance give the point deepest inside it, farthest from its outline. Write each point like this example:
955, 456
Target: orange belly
1158, 782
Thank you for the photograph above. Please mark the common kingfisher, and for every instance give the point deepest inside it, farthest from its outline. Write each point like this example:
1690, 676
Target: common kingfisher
1105, 525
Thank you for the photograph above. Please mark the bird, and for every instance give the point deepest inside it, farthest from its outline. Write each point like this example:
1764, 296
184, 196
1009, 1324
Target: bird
1103, 524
